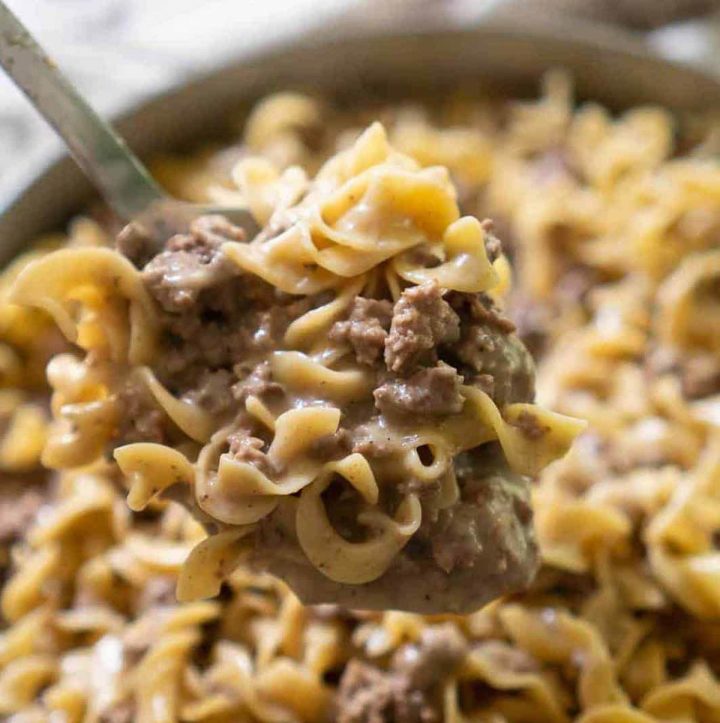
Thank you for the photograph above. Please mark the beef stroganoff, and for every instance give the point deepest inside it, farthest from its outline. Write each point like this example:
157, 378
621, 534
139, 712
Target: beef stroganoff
339, 399
610, 228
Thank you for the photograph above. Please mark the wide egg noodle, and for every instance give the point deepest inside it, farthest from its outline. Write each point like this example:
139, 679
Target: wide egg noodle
194, 421
85, 411
215, 491
353, 562
467, 267
151, 469
103, 281
308, 330
302, 373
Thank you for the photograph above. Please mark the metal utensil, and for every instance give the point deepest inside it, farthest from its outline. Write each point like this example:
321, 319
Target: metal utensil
101, 153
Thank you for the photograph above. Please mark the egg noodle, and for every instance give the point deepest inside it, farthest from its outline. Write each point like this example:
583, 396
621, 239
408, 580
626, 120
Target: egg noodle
612, 227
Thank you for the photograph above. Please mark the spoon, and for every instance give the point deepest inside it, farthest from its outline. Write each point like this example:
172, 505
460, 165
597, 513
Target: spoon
124, 182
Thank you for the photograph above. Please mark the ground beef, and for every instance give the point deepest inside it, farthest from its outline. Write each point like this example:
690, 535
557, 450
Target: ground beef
479, 309
457, 540
205, 338
213, 392
141, 420
489, 529
190, 263
20, 500
370, 695
238, 321
698, 372
246, 448
438, 654
218, 329
422, 320
488, 354
365, 329
428, 391
332, 446
256, 384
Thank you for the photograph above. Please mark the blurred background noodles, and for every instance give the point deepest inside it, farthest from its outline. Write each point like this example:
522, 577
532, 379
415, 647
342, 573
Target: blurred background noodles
120, 51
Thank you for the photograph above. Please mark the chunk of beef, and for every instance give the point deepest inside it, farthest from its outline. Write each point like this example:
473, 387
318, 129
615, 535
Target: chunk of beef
698, 372
422, 320
489, 529
332, 446
236, 322
365, 329
409, 691
479, 309
256, 384
428, 391
438, 654
190, 263
246, 448
458, 541
369, 695
487, 348
20, 499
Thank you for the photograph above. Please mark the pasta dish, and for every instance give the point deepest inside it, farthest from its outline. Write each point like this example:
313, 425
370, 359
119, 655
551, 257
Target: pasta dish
346, 401
327, 395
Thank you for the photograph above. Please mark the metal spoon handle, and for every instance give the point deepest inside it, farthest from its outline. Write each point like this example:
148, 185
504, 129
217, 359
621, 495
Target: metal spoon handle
101, 154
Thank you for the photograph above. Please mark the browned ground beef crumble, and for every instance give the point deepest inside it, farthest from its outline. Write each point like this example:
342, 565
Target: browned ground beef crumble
421, 322
365, 329
409, 691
